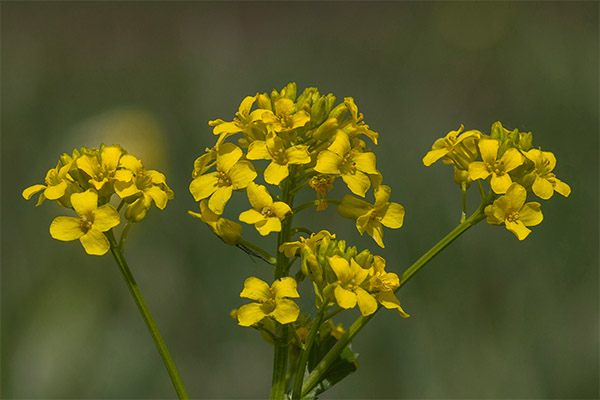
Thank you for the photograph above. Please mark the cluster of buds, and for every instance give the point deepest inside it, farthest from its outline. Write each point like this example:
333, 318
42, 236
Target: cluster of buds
507, 160
86, 180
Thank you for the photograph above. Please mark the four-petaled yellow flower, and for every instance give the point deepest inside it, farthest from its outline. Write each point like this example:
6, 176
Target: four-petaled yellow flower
370, 217
284, 119
546, 183
497, 168
450, 145
272, 301
350, 162
90, 225
56, 184
266, 215
512, 211
348, 291
281, 157
384, 284
232, 173
228, 231
101, 167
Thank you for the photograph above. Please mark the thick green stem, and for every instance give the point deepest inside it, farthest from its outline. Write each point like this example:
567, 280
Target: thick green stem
310, 339
317, 374
147, 316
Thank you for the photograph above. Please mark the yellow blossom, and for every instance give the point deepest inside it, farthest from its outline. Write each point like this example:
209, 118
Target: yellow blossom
370, 217
546, 183
351, 163
233, 173
56, 184
90, 225
291, 248
228, 231
272, 301
512, 211
355, 126
284, 119
498, 169
348, 291
453, 144
383, 284
266, 215
281, 157
101, 167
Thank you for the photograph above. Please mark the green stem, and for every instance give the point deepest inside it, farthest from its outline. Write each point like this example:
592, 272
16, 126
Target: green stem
269, 258
147, 316
121, 204
310, 339
301, 229
314, 203
481, 191
319, 371
463, 188
124, 235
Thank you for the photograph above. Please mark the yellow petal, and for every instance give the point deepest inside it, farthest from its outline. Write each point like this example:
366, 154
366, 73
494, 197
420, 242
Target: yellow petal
256, 289
393, 216
219, 199
365, 162
241, 174
106, 217
271, 224
281, 209
345, 298
227, 127
66, 228
31, 190
494, 214
251, 217
230, 232
286, 311
227, 156
56, 191
358, 183
340, 267
363, 221
300, 119
297, 155
276, 172
518, 228
531, 214
204, 185
516, 196
340, 145
366, 303
434, 155
562, 187
284, 106
389, 301
207, 215
382, 195
258, 151
512, 158
84, 203
489, 150
95, 242
285, 287
131, 163
123, 175
328, 162
158, 195
246, 105
156, 177
125, 189
250, 314
110, 157
478, 170
375, 230
258, 196
542, 188
352, 207
88, 164
500, 183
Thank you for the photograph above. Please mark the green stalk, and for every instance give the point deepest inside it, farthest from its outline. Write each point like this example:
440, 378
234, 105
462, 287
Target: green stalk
147, 316
317, 374
304, 354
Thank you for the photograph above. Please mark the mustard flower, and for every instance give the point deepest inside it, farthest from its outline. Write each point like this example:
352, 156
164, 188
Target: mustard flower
348, 291
266, 215
498, 169
450, 145
273, 148
101, 167
228, 231
140, 186
351, 163
232, 173
90, 225
291, 248
370, 217
512, 211
243, 120
273, 301
546, 183
56, 184
284, 119
383, 284
354, 126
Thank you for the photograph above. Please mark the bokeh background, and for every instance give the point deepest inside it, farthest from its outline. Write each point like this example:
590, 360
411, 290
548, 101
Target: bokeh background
492, 317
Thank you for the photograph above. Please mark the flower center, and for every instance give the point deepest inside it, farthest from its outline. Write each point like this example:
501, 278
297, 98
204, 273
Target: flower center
85, 223
223, 179
513, 216
267, 212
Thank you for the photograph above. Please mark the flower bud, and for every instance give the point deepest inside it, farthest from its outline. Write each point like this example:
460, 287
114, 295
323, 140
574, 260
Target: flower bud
364, 259
338, 112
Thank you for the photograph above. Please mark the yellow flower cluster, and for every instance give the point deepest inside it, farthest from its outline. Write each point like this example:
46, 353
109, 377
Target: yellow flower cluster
512, 167
85, 181
303, 140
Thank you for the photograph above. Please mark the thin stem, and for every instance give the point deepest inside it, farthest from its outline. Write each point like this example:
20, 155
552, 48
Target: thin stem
266, 256
314, 203
333, 313
147, 317
310, 339
463, 188
319, 371
300, 229
124, 235
121, 204
481, 191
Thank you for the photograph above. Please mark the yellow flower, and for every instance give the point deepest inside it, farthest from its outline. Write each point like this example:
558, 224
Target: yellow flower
384, 284
354, 126
265, 214
139, 186
101, 167
272, 301
510, 210
321, 183
232, 173
56, 184
546, 183
497, 168
284, 119
90, 225
370, 217
291, 248
243, 121
450, 145
228, 231
281, 157
349, 162
347, 291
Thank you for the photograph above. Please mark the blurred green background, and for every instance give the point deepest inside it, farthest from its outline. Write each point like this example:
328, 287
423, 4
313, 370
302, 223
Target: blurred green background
492, 317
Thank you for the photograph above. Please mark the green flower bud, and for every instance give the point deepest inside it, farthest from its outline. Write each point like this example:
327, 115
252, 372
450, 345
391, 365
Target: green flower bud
289, 91
364, 259
326, 130
338, 112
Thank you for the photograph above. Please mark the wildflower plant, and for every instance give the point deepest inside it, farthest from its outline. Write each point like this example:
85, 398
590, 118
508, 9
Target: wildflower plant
278, 145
